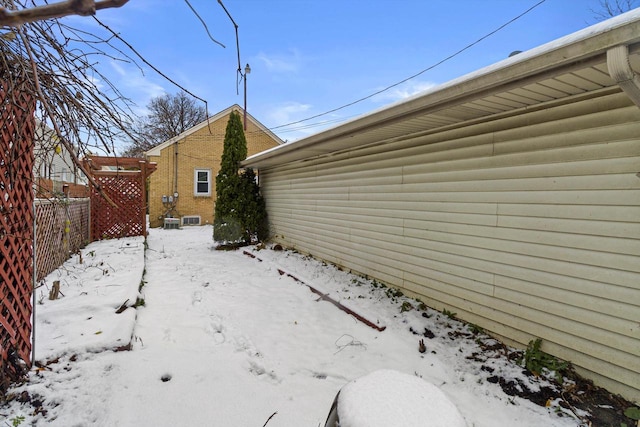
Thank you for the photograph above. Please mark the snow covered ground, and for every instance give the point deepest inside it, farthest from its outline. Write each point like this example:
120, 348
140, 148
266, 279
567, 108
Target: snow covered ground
227, 339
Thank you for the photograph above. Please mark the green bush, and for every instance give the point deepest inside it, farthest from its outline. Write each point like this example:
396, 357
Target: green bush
536, 361
240, 212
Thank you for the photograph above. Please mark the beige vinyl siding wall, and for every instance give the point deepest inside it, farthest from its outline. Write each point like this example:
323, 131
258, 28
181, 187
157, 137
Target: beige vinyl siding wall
527, 225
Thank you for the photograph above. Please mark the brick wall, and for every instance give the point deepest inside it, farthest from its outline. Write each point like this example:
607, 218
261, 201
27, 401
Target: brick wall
200, 150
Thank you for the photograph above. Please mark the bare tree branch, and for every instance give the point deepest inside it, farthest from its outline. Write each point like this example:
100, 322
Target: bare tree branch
73, 97
611, 8
169, 116
51, 115
86, 111
203, 23
169, 79
56, 10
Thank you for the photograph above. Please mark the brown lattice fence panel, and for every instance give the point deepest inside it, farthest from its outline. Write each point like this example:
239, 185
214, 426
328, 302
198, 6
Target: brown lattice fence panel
16, 226
127, 218
62, 229
46, 188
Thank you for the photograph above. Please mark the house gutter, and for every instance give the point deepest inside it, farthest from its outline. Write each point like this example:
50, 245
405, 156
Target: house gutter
621, 71
573, 50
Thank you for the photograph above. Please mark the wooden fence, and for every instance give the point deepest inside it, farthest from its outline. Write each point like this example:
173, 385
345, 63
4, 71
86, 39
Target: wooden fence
123, 212
62, 228
16, 223
63, 225
47, 188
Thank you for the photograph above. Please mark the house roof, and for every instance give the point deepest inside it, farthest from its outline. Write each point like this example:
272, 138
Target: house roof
562, 69
155, 151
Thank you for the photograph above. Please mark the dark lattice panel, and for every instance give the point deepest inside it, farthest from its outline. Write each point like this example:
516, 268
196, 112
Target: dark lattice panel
62, 229
16, 227
126, 190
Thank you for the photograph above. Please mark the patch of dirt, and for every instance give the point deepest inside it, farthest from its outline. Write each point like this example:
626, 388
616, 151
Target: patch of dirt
34, 404
230, 246
35, 401
574, 396
606, 409
515, 387
427, 333
601, 407
11, 371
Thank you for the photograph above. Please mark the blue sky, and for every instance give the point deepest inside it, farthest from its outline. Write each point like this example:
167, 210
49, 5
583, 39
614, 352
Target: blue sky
311, 56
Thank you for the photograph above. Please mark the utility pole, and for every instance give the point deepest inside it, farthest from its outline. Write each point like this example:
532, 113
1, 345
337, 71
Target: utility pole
247, 70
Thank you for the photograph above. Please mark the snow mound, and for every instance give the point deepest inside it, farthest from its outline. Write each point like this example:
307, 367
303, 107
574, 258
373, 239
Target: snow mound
96, 289
388, 398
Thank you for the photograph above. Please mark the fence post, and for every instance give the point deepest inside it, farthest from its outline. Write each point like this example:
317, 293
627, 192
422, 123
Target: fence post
143, 186
35, 282
90, 227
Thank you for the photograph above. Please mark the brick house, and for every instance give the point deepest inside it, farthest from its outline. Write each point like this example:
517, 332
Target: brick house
183, 185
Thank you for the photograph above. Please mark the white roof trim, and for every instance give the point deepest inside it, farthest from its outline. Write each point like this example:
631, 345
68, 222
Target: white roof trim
574, 48
155, 151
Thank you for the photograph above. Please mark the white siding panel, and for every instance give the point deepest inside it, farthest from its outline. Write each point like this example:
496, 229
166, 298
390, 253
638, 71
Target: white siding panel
578, 285
597, 167
527, 225
504, 257
627, 246
551, 183
544, 252
593, 213
577, 197
573, 305
564, 225
539, 324
523, 331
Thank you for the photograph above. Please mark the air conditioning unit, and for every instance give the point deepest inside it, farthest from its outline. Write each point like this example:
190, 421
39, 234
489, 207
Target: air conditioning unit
171, 223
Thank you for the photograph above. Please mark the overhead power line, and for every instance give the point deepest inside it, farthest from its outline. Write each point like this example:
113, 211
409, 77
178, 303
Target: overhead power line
203, 23
143, 59
316, 124
414, 75
239, 74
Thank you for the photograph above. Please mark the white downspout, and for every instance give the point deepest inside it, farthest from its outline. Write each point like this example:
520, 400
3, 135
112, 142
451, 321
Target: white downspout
620, 70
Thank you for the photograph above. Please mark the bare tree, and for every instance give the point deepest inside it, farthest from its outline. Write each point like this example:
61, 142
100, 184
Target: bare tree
55, 10
611, 8
169, 116
60, 64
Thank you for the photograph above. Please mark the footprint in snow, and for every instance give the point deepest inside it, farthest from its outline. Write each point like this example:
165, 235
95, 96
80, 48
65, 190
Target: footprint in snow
196, 298
260, 371
216, 329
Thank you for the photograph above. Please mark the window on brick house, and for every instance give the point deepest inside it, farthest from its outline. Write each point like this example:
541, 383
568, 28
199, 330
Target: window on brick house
191, 220
202, 182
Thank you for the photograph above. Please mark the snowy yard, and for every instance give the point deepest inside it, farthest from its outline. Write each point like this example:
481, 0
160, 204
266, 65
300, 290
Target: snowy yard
225, 339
